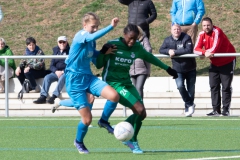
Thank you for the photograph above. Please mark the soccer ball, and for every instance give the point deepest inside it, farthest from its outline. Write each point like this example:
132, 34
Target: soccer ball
123, 131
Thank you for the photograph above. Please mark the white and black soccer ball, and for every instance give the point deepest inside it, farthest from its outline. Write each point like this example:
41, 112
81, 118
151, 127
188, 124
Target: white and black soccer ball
123, 131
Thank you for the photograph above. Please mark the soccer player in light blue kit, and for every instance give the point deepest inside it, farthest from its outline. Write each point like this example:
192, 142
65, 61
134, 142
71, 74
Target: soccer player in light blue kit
79, 77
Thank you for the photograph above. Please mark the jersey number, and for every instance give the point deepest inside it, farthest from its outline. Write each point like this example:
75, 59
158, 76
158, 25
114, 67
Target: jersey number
123, 92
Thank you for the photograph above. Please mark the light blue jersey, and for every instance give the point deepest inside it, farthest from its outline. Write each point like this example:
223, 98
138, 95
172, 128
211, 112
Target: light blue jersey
79, 77
186, 12
83, 49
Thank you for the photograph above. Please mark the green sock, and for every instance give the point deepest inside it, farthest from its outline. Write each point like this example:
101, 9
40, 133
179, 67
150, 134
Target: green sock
130, 119
136, 122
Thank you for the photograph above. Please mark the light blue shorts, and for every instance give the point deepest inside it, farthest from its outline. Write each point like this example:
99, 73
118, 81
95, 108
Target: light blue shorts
77, 86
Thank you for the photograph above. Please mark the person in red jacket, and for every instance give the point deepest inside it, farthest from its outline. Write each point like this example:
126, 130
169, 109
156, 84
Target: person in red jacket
210, 41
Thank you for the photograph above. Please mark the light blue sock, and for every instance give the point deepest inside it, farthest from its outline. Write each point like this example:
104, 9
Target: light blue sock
81, 132
66, 102
108, 110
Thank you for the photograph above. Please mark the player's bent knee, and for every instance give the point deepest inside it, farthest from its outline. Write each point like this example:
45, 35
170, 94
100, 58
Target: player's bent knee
87, 122
115, 97
141, 111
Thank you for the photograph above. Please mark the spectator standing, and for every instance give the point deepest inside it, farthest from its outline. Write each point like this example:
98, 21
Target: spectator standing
141, 13
180, 43
140, 69
5, 51
57, 67
31, 69
188, 14
210, 41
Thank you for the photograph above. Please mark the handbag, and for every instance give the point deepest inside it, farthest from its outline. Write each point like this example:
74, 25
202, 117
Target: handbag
26, 87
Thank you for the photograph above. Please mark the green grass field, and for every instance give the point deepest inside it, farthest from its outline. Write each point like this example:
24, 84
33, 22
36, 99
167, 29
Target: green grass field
160, 138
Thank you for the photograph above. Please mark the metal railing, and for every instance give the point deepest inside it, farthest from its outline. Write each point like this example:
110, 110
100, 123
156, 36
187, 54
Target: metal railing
6, 74
62, 57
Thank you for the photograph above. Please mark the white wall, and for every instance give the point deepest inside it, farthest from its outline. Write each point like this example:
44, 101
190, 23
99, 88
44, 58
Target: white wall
153, 84
167, 84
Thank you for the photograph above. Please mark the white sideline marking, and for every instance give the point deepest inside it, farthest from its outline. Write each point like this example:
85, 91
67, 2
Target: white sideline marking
227, 157
150, 119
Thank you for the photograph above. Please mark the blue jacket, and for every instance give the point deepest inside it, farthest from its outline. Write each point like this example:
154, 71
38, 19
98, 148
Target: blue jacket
59, 64
186, 12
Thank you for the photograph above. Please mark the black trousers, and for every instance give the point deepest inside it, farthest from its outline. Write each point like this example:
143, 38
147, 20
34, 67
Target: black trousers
32, 75
221, 76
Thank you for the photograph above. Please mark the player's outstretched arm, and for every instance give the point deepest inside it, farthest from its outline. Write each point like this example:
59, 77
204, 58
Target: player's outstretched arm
155, 61
96, 35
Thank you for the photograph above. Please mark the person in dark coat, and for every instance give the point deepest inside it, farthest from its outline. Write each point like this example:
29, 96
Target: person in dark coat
180, 43
57, 67
141, 13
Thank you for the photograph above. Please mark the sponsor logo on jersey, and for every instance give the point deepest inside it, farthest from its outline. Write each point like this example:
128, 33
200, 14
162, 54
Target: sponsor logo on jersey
133, 55
124, 60
122, 64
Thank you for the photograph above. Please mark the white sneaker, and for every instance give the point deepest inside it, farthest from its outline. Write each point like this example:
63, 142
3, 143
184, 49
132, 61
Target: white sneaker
191, 110
55, 107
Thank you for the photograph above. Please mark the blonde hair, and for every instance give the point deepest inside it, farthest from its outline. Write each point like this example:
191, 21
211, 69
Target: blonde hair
2, 40
89, 17
141, 33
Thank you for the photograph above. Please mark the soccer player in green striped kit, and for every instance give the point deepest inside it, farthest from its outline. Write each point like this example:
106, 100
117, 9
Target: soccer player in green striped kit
116, 74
